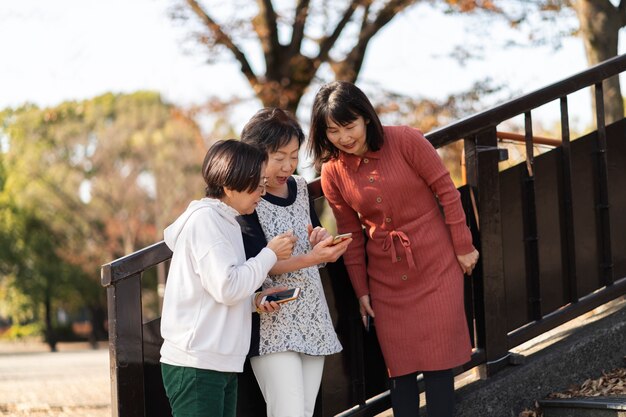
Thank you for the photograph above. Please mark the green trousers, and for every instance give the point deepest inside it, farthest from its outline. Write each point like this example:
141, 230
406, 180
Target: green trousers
200, 392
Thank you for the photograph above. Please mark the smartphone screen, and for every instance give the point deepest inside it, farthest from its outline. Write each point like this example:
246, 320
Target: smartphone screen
283, 296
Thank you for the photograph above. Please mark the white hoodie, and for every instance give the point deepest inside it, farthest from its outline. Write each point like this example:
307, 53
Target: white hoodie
206, 317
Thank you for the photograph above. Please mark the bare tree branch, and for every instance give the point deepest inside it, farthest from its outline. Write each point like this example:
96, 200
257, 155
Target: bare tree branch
267, 29
349, 69
621, 9
366, 16
388, 12
328, 42
288, 71
299, 22
223, 39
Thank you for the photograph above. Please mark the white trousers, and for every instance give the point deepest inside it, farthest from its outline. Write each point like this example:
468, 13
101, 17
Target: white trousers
289, 382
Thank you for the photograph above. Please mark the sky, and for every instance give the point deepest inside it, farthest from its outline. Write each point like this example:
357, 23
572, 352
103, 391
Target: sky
76, 49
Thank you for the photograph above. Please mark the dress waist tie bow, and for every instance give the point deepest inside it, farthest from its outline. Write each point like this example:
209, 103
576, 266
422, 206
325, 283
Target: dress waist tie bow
404, 239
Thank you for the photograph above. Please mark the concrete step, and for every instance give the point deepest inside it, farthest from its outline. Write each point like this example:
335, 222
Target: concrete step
571, 353
584, 407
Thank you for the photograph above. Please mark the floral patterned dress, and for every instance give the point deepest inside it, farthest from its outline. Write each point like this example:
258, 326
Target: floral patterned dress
303, 325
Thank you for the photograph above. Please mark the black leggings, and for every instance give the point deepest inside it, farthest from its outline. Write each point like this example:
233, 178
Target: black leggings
405, 398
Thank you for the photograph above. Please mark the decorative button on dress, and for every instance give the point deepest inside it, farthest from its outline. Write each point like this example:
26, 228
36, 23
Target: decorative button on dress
303, 325
412, 275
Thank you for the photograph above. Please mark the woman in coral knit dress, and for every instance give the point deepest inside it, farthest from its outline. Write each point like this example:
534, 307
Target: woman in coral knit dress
390, 181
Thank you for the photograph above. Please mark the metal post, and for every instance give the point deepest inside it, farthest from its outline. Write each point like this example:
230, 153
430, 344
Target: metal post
603, 223
482, 159
125, 346
568, 246
529, 217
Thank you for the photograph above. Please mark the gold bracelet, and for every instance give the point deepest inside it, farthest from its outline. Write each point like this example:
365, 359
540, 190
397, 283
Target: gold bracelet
256, 298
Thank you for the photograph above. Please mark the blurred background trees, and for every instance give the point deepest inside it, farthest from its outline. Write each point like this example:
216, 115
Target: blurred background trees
87, 182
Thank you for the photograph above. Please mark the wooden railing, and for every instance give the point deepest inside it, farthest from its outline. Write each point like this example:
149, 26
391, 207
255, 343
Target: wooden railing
543, 229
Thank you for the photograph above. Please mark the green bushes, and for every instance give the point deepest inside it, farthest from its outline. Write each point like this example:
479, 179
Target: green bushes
22, 331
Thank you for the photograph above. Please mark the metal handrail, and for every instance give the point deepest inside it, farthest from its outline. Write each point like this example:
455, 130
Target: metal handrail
537, 140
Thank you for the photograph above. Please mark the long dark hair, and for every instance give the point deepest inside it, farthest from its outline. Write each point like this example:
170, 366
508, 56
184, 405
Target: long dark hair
342, 102
232, 164
272, 128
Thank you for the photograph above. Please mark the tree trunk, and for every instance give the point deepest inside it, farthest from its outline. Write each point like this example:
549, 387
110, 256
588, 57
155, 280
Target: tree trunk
50, 336
98, 332
277, 94
293, 77
599, 26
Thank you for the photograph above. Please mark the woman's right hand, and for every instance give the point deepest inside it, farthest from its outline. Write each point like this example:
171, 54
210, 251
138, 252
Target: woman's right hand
325, 251
365, 308
282, 245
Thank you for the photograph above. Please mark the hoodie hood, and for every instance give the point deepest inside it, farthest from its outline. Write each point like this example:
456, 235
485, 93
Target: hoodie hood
173, 231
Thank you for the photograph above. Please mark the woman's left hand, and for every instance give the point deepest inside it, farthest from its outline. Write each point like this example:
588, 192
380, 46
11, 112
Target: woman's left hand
365, 308
271, 306
468, 261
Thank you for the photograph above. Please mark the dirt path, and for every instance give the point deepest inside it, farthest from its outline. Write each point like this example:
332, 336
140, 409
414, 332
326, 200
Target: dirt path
69, 383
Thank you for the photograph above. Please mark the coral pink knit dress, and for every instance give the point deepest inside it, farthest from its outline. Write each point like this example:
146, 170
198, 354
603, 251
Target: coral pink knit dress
412, 274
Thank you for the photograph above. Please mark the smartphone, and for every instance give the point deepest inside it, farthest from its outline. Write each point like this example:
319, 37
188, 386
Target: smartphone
282, 296
368, 323
340, 238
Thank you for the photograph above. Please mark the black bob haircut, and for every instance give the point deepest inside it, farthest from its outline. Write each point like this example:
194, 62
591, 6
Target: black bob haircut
232, 164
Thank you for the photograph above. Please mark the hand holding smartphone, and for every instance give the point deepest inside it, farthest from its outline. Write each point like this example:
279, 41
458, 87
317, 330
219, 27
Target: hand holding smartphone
340, 238
368, 323
282, 296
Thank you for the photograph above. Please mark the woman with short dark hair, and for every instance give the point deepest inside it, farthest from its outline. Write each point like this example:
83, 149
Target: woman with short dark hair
208, 301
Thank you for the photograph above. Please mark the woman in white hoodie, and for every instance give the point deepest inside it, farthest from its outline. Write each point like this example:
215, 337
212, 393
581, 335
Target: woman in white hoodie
209, 295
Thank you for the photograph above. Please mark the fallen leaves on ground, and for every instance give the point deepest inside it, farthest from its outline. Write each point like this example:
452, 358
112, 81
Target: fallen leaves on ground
609, 384
533, 412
